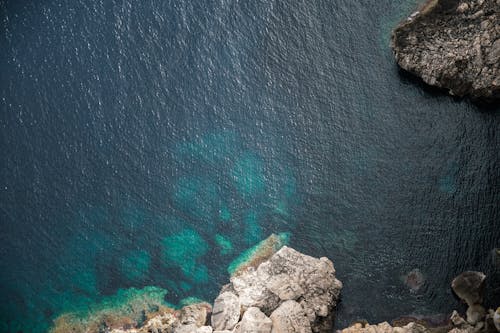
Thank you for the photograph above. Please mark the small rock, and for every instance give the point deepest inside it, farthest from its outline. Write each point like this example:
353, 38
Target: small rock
469, 287
456, 319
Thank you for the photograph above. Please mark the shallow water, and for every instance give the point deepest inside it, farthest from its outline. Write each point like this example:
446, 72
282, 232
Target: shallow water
149, 143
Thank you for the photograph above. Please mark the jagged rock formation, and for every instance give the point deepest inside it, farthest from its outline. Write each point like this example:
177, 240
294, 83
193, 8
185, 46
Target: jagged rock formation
288, 292
453, 44
291, 288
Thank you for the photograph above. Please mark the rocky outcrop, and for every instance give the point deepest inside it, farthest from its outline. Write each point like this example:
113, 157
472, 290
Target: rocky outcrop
453, 44
288, 292
469, 287
292, 280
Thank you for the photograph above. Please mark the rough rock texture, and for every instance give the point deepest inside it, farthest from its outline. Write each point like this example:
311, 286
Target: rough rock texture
290, 275
226, 311
290, 317
195, 314
454, 45
469, 286
254, 321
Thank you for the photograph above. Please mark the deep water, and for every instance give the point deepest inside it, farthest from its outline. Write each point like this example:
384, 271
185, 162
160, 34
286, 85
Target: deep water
148, 143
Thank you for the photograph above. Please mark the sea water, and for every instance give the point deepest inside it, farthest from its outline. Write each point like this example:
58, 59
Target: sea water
149, 143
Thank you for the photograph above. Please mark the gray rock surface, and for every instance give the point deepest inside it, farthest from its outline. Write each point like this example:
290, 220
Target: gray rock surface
469, 287
291, 275
226, 311
255, 321
454, 45
290, 317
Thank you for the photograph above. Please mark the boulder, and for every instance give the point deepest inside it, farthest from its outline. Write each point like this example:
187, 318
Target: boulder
255, 321
290, 317
226, 311
291, 275
469, 287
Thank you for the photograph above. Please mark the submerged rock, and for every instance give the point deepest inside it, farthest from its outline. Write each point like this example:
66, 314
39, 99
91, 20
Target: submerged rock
453, 45
414, 279
124, 310
259, 253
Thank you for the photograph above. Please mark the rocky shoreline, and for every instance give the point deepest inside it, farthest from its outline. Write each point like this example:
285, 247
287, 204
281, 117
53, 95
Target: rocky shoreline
279, 290
453, 45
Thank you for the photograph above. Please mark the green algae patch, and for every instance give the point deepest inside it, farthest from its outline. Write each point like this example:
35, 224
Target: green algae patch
225, 244
259, 253
248, 175
125, 309
182, 250
135, 265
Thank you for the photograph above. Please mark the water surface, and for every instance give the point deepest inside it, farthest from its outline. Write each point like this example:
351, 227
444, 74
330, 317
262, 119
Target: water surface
148, 143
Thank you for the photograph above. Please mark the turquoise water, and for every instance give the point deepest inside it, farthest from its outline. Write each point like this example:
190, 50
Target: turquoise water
149, 144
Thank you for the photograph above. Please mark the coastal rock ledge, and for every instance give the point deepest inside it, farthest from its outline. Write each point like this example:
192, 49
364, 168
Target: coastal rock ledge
454, 45
288, 292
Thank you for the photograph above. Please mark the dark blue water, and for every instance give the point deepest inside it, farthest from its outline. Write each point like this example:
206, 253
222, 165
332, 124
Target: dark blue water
148, 143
